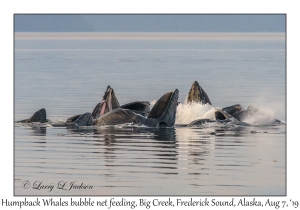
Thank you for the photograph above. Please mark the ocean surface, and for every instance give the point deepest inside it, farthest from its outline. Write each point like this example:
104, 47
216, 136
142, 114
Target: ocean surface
67, 74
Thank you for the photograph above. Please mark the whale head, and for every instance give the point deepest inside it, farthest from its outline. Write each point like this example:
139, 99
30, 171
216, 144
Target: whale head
108, 103
197, 94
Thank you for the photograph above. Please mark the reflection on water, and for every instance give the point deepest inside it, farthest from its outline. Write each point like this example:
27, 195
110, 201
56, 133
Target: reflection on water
38, 131
144, 161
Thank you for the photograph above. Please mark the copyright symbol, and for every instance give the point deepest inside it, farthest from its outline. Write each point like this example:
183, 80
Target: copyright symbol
26, 184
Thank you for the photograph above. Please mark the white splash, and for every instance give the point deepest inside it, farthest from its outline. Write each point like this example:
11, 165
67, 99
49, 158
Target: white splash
261, 117
187, 113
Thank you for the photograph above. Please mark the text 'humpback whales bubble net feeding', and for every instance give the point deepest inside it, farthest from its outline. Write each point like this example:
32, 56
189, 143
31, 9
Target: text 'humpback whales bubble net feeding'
166, 112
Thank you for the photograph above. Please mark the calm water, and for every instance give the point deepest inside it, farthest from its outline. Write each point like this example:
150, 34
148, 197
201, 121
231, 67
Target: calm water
67, 75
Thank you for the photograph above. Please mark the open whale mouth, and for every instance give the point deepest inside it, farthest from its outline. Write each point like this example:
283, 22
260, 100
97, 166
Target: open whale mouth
165, 109
197, 94
108, 103
160, 106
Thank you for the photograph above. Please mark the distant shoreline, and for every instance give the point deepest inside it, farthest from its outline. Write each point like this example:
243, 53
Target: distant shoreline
148, 35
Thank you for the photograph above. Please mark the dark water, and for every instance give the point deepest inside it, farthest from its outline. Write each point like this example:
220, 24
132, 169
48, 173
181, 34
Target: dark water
68, 76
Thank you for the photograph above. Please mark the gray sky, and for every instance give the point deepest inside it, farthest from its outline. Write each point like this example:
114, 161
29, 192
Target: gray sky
150, 23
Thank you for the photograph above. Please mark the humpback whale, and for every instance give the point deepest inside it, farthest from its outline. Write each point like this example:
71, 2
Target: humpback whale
234, 113
161, 115
108, 112
109, 102
197, 94
250, 114
39, 116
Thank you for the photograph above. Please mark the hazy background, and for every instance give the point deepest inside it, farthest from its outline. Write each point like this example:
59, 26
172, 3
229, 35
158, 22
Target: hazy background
149, 23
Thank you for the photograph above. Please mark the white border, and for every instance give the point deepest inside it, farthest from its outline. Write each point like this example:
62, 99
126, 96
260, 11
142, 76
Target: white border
8, 8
